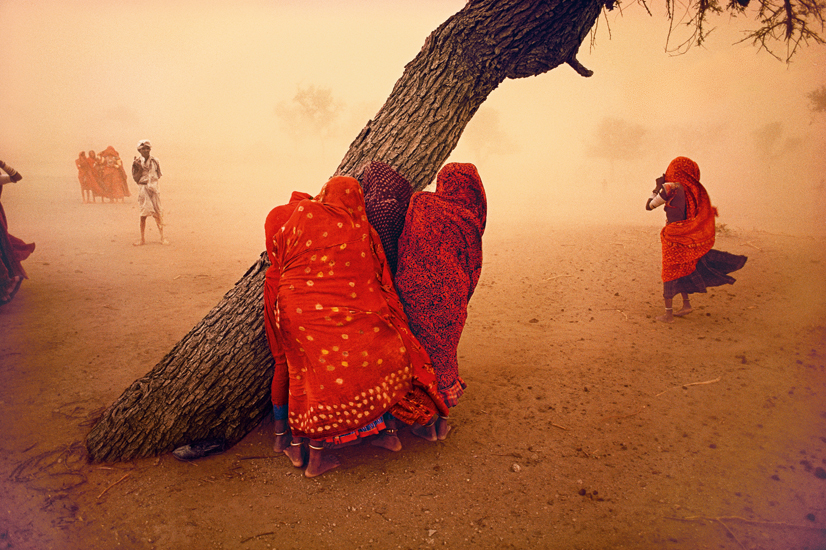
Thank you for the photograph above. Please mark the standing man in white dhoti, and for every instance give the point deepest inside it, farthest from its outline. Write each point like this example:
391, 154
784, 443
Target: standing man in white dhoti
146, 171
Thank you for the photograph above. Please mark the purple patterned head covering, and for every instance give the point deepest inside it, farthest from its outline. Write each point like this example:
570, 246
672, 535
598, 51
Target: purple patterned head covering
386, 196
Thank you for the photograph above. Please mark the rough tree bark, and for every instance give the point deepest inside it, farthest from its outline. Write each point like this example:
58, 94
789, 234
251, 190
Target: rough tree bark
215, 381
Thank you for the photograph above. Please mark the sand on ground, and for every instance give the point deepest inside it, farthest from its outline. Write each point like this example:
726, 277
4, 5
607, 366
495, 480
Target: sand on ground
586, 424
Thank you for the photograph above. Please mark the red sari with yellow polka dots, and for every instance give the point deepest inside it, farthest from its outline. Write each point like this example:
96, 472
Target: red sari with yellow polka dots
347, 349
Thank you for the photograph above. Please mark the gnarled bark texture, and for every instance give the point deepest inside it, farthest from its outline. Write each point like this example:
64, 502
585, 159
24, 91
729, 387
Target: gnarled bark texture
215, 382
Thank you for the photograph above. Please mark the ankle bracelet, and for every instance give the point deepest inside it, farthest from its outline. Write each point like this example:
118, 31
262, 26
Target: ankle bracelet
316, 448
295, 444
282, 433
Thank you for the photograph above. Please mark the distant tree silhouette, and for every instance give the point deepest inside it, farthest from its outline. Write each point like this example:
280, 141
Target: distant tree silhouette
486, 137
767, 138
817, 99
617, 139
312, 113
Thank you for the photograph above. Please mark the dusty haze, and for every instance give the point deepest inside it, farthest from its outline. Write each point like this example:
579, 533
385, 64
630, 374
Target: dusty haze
212, 84
586, 423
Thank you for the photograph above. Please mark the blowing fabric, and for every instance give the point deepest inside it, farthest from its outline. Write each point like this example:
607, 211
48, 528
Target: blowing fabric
685, 242
12, 253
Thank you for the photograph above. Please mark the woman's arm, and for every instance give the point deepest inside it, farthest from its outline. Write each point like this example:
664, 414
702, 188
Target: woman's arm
656, 199
13, 175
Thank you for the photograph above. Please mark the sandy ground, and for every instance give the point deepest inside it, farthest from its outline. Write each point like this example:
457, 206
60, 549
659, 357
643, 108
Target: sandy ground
586, 424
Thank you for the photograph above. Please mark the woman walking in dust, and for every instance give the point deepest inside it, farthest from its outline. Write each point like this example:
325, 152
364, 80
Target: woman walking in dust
690, 264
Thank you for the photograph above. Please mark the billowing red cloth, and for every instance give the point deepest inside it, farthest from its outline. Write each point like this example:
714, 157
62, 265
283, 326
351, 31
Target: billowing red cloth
93, 178
386, 197
685, 242
440, 260
348, 350
12, 252
114, 176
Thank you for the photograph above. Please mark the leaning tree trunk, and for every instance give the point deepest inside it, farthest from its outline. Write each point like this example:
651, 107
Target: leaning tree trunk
215, 382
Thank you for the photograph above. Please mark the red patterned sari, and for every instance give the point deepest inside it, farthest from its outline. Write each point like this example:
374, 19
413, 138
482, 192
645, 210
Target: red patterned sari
440, 260
685, 242
344, 354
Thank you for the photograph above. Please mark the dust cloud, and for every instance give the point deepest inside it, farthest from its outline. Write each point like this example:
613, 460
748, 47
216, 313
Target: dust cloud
246, 101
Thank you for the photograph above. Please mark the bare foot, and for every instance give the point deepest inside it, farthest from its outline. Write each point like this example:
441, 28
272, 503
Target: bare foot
442, 428
139, 243
684, 311
388, 440
667, 318
164, 241
296, 455
320, 462
282, 442
425, 432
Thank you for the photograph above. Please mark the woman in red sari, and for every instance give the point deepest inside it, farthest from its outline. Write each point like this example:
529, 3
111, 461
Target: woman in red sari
114, 176
93, 177
690, 264
344, 354
440, 260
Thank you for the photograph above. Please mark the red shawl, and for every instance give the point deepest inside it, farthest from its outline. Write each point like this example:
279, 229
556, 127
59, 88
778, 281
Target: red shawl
114, 176
685, 242
349, 353
440, 260
93, 179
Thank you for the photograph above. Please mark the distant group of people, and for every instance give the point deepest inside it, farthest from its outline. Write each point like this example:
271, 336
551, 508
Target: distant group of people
365, 301
101, 175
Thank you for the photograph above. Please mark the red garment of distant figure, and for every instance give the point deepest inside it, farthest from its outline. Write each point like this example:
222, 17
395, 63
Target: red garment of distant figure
114, 176
12, 252
81, 164
338, 323
685, 242
440, 260
93, 180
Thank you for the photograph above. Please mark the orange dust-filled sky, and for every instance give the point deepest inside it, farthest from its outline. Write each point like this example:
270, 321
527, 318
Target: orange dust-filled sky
212, 85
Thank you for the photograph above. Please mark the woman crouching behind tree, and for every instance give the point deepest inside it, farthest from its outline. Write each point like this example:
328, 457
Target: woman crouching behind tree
346, 363
440, 261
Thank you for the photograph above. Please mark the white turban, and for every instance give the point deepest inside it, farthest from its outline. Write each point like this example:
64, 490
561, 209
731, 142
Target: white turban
144, 143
